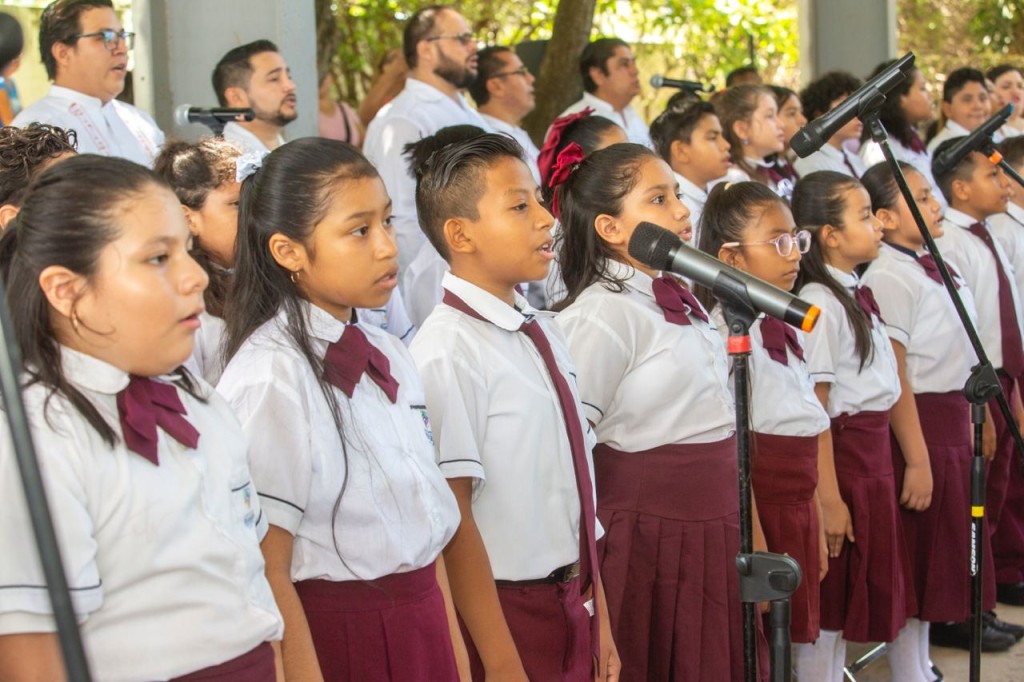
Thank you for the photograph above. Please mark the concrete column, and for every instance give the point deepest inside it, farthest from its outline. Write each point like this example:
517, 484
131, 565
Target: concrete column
178, 43
845, 35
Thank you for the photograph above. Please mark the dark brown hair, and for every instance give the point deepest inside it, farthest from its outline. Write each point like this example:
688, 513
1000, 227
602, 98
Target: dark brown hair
819, 200
24, 151
60, 21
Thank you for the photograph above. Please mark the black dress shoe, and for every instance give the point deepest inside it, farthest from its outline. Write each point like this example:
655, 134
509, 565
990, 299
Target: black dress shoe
958, 636
1011, 594
1017, 631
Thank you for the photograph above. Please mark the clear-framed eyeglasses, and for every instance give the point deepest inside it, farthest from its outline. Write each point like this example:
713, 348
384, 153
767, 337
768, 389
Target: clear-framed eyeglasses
784, 243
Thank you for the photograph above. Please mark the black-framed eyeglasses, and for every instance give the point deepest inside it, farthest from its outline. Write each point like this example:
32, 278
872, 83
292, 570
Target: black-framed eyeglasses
463, 38
521, 71
111, 38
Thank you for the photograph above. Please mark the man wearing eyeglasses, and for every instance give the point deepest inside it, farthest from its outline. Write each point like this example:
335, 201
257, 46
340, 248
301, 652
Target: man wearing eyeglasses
610, 82
441, 53
85, 51
503, 92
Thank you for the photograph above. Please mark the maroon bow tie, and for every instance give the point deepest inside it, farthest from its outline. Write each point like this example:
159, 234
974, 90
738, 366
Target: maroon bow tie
931, 268
866, 300
146, 404
776, 336
916, 143
351, 356
676, 301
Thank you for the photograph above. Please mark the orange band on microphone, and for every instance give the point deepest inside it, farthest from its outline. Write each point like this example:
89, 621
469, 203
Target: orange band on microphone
995, 157
811, 318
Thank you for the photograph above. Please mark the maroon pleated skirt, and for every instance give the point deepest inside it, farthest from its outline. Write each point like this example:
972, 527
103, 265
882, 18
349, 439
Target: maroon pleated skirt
392, 628
784, 471
255, 666
668, 560
868, 592
938, 538
1008, 523
550, 627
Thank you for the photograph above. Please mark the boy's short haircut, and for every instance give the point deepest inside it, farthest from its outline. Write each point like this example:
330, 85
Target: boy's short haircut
818, 96
963, 170
678, 125
24, 152
958, 79
452, 182
1012, 149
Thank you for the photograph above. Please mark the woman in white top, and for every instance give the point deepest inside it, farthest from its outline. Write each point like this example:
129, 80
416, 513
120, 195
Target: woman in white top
1008, 88
145, 468
867, 594
341, 454
653, 380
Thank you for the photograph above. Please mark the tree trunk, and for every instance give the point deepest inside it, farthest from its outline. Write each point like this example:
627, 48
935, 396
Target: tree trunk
559, 83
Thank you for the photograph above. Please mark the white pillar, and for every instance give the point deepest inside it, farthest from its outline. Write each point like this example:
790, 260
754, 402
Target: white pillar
178, 43
845, 35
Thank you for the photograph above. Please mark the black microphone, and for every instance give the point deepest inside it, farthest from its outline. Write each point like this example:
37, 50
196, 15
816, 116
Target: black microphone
187, 113
658, 81
658, 248
812, 136
971, 143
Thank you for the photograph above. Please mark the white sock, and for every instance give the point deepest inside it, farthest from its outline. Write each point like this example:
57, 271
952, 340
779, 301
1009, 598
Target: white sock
905, 654
817, 662
839, 660
926, 658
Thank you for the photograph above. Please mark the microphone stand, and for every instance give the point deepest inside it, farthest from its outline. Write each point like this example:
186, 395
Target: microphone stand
764, 576
996, 157
75, 664
981, 387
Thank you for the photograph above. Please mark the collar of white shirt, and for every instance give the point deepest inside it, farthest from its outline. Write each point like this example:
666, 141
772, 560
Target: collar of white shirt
598, 104
91, 373
691, 190
955, 129
959, 218
489, 306
81, 98
322, 325
424, 92
847, 279
636, 280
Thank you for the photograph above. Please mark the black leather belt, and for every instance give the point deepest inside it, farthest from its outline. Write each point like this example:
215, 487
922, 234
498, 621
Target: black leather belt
565, 574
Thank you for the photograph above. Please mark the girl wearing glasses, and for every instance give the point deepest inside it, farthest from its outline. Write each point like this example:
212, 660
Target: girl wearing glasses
749, 227
868, 592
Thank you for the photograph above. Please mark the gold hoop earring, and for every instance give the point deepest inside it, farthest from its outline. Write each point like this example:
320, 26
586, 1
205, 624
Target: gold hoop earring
294, 277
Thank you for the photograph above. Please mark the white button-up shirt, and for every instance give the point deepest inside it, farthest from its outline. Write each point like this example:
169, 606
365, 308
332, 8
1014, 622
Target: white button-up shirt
246, 140
694, 198
646, 382
396, 511
163, 561
832, 355
628, 119
920, 316
975, 263
111, 129
832, 159
497, 419
530, 150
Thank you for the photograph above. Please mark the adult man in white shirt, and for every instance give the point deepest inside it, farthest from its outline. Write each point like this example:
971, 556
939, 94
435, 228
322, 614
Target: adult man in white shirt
441, 53
503, 92
255, 76
610, 82
85, 50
